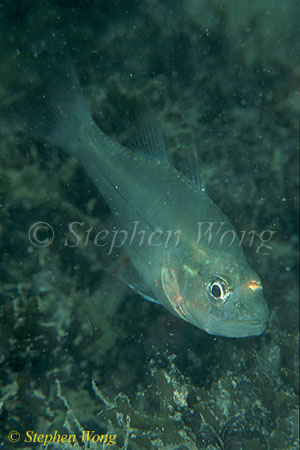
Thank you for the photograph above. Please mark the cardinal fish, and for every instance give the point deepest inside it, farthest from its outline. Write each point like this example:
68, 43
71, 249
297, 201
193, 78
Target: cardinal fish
196, 275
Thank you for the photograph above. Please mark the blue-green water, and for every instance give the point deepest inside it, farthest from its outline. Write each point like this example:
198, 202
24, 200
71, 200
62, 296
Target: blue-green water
78, 350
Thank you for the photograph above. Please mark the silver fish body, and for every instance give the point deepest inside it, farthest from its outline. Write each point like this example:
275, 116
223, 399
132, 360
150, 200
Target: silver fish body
204, 281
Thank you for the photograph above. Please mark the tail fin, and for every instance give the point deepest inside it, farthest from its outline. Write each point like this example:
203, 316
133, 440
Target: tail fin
62, 110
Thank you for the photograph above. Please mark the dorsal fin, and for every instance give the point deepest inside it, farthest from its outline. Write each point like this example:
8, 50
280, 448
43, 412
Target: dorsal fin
149, 138
191, 166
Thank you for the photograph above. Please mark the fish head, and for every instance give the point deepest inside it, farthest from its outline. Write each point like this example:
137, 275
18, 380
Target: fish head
238, 307
223, 298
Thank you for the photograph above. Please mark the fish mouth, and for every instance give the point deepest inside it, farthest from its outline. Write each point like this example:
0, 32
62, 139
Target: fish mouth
240, 328
253, 322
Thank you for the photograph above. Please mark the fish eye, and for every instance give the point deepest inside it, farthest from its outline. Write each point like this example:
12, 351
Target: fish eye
218, 290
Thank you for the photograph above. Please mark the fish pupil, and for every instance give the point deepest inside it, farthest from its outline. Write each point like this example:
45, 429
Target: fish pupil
216, 290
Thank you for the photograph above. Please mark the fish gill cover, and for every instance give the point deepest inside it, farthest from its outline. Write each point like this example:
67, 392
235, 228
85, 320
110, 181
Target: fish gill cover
79, 351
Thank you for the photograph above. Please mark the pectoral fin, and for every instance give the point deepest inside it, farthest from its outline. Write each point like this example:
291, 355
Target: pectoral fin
171, 289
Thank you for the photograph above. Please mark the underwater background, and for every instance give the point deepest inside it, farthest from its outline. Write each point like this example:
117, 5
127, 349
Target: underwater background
78, 349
